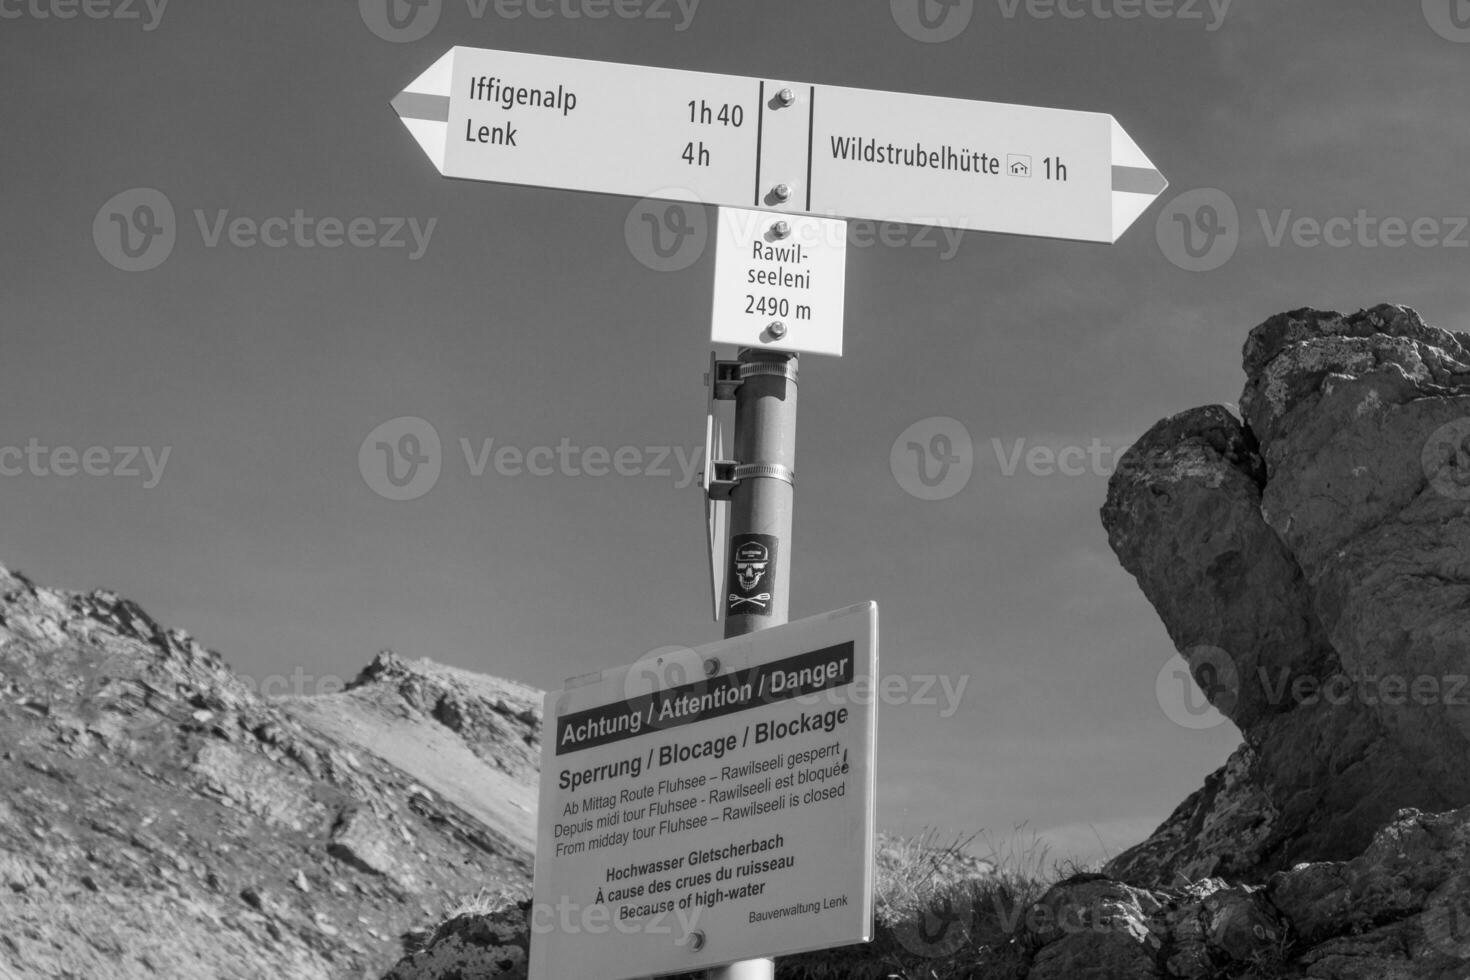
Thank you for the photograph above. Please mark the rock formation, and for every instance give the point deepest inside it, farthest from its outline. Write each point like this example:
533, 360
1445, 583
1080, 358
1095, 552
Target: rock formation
160, 819
1311, 561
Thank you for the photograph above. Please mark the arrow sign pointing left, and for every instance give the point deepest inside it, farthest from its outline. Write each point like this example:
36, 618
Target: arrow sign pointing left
787, 146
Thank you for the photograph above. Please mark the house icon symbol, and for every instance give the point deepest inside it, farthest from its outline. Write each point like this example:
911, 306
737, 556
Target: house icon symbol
1018, 165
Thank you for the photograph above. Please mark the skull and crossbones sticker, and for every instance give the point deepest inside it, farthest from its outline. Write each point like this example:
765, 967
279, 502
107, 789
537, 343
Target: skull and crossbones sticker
752, 573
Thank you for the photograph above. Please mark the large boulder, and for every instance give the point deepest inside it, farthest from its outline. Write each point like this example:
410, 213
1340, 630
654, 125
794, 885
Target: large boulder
1311, 562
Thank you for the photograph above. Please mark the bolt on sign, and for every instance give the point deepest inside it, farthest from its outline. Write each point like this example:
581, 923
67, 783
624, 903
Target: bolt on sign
705, 806
735, 141
780, 281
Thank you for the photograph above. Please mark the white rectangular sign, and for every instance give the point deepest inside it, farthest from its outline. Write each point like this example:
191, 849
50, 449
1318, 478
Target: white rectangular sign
734, 141
599, 126
952, 163
706, 806
780, 281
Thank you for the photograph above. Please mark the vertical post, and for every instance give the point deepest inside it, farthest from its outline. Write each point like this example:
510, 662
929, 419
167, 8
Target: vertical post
760, 517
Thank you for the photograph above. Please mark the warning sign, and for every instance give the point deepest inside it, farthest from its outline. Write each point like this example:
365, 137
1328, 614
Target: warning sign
711, 805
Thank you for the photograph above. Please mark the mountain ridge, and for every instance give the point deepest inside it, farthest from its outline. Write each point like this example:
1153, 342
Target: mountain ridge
143, 783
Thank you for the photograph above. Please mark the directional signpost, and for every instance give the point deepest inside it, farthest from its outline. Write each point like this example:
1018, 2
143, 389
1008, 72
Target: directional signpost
624, 837
712, 805
763, 143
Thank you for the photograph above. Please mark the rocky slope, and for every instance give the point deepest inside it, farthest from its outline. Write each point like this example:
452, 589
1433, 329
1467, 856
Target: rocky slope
159, 819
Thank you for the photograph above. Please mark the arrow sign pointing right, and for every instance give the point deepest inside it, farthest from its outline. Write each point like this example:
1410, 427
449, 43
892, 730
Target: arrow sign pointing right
779, 145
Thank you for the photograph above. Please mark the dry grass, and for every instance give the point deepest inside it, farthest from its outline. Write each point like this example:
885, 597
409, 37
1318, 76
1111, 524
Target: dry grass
942, 911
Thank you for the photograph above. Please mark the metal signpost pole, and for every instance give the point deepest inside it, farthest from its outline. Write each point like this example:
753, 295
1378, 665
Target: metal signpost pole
760, 523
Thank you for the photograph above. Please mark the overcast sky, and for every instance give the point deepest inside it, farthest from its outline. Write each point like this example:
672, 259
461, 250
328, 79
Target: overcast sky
523, 315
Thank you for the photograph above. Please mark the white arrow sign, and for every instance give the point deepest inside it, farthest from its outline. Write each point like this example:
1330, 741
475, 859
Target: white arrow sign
749, 142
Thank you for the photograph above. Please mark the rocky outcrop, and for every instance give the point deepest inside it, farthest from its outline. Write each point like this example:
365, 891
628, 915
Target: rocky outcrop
1311, 562
158, 818
490, 943
1401, 909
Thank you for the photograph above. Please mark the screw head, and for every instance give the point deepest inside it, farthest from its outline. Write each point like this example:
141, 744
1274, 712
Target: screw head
696, 940
781, 229
786, 97
777, 330
782, 192
712, 666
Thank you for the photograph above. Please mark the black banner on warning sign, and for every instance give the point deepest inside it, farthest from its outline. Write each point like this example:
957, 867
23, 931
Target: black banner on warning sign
782, 680
752, 574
